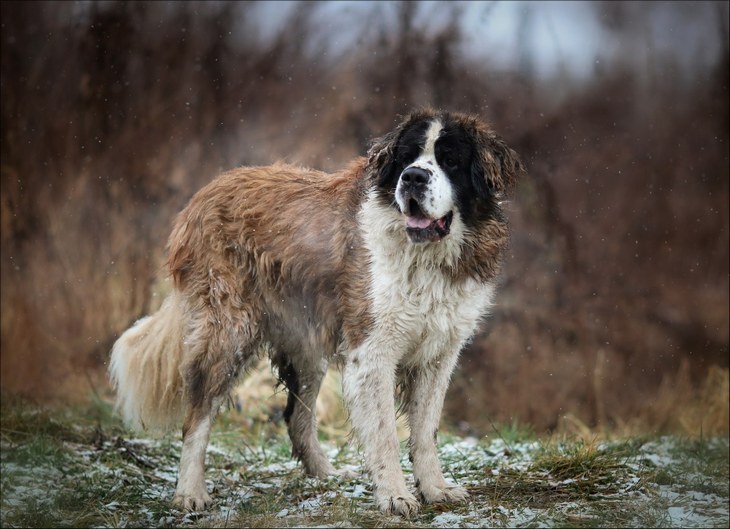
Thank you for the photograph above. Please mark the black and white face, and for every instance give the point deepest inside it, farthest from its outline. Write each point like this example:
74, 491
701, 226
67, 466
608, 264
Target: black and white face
436, 176
424, 192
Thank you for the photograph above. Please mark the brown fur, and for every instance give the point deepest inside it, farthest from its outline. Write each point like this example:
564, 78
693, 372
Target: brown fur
262, 256
278, 237
272, 259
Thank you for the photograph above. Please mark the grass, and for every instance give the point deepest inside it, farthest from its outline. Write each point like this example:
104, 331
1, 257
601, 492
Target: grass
82, 468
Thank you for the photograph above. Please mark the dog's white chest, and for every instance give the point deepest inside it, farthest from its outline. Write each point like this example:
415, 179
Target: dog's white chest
424, 312
417, 308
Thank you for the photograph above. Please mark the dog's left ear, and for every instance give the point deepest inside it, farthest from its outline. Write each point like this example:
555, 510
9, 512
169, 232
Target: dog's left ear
496, 167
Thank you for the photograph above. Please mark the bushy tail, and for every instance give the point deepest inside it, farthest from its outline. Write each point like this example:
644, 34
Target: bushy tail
145, 368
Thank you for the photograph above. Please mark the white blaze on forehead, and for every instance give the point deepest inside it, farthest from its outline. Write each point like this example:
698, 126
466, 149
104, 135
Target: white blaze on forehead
432, 134
438, 198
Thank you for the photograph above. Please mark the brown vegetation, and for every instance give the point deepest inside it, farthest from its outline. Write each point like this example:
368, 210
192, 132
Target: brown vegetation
614, 305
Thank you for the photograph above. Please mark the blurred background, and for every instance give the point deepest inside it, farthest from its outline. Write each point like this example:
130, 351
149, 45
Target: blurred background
613, 306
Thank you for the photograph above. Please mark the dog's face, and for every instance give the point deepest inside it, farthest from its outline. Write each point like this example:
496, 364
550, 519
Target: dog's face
437, 166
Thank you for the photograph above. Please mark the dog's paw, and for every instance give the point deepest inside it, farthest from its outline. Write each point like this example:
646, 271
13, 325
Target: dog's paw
192, 502
404, 504
321, 468
443, 494
332, 473
345, 474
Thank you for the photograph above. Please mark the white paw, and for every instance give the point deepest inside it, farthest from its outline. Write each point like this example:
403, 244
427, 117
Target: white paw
445, 493
345, 474
323, 469
196, 501
404, 504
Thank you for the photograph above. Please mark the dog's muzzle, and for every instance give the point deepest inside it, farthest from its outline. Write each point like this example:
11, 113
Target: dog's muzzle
420, 227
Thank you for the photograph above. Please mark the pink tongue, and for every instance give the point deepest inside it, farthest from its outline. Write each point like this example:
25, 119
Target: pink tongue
413, 222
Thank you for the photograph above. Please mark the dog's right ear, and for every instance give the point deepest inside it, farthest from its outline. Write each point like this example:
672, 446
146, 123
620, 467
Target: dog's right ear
381, 156
383, 153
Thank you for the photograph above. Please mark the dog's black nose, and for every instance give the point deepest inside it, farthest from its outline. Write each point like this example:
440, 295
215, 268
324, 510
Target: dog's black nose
415, 176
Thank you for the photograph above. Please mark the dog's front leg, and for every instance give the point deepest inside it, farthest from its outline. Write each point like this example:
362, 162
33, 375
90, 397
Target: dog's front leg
369, 386
426, 390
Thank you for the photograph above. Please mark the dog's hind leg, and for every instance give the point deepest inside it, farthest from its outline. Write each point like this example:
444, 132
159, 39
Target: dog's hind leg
220, 343
191, 493
303, 377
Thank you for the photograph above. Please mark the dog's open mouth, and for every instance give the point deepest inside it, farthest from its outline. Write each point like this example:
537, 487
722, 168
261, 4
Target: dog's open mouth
422, 229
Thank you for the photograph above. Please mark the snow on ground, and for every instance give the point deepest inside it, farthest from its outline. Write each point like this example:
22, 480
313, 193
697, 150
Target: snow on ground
507, 488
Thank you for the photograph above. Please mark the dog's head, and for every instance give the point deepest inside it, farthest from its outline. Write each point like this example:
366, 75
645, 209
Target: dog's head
438, 165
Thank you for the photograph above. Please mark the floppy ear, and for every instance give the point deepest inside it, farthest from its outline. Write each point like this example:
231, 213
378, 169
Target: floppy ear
382, 153
381, 156
496, 167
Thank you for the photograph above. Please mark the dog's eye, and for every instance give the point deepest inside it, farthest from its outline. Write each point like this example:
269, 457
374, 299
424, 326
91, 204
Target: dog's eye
405, 157
450, 161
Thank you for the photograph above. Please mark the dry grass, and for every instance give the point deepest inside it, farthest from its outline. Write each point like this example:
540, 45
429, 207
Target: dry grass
683, 407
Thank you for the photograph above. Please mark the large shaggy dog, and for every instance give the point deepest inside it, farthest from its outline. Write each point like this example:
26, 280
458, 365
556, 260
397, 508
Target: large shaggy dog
384, 268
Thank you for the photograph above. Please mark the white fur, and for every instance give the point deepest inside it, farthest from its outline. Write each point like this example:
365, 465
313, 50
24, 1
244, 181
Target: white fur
422, 320
144, 368
439, 196
426, 307
119, 369
191, 493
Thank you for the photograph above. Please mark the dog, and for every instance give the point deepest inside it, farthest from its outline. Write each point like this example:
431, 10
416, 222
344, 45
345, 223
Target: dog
385, 269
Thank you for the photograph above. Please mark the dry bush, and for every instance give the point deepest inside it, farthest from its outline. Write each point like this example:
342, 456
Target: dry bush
615, 288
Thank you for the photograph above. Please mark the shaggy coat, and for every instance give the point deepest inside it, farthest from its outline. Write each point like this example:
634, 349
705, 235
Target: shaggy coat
384, 268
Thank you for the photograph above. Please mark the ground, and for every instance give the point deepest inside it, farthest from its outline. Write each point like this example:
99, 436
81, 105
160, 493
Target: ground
83, 468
